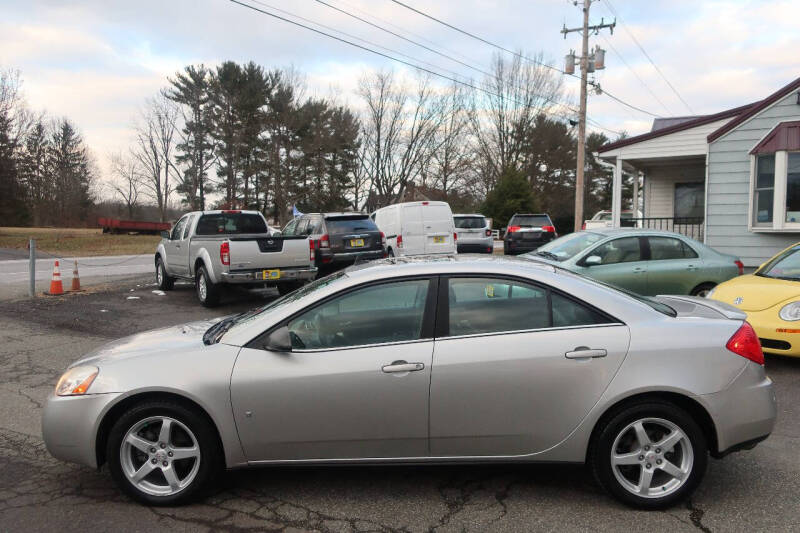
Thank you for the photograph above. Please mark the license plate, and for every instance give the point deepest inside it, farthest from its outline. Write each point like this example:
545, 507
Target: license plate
438, 240
270, 274
356, 243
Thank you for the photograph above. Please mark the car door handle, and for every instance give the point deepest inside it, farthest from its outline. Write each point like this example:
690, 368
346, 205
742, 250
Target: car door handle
691, 267
177, 245
402, 366
638, 270
582, 352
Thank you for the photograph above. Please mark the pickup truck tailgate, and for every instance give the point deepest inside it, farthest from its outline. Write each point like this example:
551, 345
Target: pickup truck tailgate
248, 253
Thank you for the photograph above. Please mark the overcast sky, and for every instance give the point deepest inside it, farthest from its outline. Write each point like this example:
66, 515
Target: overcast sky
97, 61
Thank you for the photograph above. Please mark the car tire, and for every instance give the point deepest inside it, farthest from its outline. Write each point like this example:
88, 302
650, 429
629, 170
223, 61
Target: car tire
703, 289
390, 252
671, 468
163, 280
168, 480
207, 291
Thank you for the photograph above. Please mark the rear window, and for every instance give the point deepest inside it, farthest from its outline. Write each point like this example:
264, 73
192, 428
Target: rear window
469, 222
530, 221
231, 223
350, 224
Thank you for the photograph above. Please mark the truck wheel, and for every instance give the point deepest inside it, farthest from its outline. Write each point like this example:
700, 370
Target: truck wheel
163, 280
207, 291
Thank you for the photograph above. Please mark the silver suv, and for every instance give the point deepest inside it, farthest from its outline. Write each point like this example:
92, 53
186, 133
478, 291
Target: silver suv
474, 234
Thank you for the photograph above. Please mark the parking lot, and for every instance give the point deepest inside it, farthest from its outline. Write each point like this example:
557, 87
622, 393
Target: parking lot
746, 491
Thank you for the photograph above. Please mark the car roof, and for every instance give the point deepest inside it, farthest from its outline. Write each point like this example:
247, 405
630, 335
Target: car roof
612, 232
530, 215
439, 264
468, 215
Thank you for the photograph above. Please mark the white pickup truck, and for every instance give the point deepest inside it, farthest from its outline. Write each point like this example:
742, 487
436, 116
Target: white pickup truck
215, 248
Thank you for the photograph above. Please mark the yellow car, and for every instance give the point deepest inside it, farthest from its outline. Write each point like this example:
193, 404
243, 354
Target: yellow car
771, 298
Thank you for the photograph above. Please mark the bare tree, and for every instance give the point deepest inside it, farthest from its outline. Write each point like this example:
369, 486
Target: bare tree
399, 129
450, 164
128, 180
154, 150
517, 92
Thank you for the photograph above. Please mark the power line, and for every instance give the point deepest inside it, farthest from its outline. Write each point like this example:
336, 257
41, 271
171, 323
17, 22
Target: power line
644, 84
635, 40
517, 54
407, 63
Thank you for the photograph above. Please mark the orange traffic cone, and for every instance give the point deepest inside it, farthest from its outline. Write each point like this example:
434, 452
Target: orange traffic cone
76, 279
56, 288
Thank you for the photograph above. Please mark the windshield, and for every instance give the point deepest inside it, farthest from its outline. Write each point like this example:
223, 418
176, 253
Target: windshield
783, 266
530, 221
350, 224
231, 223
215, 332
568, 246
469, 222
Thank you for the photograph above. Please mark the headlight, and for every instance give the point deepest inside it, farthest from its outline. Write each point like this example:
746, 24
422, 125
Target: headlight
790, 312
76, 381
710, 293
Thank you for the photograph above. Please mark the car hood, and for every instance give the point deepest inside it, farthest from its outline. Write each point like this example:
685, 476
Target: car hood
756, 293
169, 339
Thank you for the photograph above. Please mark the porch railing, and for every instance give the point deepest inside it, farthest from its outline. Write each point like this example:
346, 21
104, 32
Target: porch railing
693, 227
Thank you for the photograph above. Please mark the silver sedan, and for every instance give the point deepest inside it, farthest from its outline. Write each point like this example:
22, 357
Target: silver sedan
425, 361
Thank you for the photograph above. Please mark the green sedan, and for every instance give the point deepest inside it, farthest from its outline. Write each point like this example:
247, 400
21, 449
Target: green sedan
644, 261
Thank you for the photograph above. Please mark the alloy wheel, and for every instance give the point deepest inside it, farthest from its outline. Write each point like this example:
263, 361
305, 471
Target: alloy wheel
652, 457
202, 289
160, 456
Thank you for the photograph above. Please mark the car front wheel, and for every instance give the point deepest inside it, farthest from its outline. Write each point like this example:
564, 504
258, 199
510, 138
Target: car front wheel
163, 280
162, 453
650, 455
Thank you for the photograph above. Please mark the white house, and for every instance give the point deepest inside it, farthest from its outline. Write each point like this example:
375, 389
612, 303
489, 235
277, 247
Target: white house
731, 179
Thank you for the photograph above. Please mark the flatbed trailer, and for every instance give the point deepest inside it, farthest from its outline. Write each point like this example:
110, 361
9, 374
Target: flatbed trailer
114, 225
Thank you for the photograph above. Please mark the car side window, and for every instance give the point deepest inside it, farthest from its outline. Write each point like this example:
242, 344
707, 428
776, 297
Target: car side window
302, 226
290, 228
176, 231
669, 248
568, 312
487, 305
623, 250
314, 226
188, 226
359, 317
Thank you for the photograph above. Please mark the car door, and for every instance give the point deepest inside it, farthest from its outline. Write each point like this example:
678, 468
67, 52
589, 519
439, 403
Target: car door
178, 249
412, 229
673, 268
517, 367
619, 261
439, 229
355, 384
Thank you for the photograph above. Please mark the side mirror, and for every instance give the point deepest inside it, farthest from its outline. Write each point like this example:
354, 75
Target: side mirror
593, 260
279, 341
165, 235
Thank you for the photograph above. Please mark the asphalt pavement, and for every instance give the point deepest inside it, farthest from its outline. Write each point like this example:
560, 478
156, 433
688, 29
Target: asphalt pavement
747, 491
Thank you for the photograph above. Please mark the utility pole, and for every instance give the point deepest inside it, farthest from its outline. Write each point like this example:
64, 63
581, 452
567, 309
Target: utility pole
588, 63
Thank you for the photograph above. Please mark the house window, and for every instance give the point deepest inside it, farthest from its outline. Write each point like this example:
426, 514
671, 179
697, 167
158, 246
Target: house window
763, 194
689, 200
793, 188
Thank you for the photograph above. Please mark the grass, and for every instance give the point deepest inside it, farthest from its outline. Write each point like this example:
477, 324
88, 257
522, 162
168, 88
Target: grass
79, 242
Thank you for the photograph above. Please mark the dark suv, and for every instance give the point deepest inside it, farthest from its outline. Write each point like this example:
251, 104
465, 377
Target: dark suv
339, 239
527, 232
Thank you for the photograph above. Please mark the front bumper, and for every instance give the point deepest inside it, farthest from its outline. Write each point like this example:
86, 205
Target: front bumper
781, 337
70, 424
255, 276
745, 411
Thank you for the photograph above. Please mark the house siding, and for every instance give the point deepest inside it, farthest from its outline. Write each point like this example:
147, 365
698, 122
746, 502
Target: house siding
689, 142
659, 187
729, 183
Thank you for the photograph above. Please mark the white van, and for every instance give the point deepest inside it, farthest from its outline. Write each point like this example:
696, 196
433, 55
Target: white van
417, 228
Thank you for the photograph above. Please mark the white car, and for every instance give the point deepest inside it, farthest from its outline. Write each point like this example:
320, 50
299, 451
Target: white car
417, 228
474, 234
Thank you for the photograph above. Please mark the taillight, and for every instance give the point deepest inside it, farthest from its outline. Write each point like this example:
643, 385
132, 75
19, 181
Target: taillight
488, 233
549, 229
512, 229
740, 265
455, 237
399, 241
324, 242
583, 226
383, 239
311, 250
225, 253
745, 343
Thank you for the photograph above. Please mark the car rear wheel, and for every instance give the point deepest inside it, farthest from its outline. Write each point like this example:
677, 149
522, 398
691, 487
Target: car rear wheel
162, 453
650, 455
163, 280
207, 291
703, 289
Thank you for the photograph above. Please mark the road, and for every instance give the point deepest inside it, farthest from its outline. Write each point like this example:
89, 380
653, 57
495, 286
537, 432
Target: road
747, 491
14, 273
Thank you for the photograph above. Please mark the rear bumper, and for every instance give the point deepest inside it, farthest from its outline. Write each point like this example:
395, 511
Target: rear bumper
254, 276
521, 246
744, 413
475, 248
351, 257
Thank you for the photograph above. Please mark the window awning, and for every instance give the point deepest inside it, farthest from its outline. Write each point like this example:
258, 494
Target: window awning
784, 136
